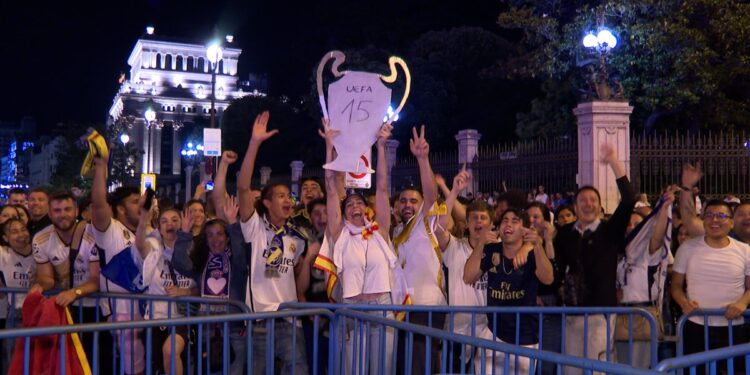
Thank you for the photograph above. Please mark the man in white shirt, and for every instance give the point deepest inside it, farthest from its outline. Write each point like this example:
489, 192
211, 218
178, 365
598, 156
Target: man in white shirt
113, 225
278, 256
67, 259
418, 251
456, 252
717, 270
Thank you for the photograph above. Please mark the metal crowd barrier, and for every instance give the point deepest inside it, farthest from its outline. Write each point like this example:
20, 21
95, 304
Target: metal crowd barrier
451, 312
714, 359
364, 322
711, 358
250, 339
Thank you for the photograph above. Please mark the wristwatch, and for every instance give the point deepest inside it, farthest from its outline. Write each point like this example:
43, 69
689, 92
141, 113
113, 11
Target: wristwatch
78, 292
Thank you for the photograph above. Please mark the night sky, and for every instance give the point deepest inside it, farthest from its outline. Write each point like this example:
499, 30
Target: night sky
61, 62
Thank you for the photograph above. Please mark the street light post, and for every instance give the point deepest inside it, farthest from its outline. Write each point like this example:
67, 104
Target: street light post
124, 139
602, 43
214, 53
190, 153
150, 116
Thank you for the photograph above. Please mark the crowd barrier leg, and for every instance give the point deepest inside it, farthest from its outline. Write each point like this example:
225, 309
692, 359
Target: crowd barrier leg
589, 336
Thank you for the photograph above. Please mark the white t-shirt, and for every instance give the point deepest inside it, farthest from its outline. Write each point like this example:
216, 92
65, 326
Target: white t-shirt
421, 263
49, 248
270, 288
715, 277
541, 198
365, 269
157, 276
17, 271
461, 294
116, 238
637, 288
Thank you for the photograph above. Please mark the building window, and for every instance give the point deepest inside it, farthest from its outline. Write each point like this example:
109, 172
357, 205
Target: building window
180, 63
201, 64
190, 64
168, 63
158, 61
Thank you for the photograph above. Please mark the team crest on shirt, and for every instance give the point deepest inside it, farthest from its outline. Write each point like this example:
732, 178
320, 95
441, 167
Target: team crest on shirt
293, 248
126, 234
496, 259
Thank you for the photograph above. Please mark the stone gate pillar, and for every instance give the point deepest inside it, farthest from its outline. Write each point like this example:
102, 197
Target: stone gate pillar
602, 122
468, 150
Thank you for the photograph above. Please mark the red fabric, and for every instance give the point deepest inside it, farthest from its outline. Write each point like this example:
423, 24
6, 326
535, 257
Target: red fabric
45, 353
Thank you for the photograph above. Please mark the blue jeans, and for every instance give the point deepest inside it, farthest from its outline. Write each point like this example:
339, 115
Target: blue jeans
238, 346
13, 321
370, 345
293, 359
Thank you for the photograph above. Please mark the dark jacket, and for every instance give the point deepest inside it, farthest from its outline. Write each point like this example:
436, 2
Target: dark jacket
587, 263
238, 271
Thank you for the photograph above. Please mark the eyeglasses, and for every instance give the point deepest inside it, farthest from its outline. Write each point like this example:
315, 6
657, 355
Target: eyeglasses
716, 215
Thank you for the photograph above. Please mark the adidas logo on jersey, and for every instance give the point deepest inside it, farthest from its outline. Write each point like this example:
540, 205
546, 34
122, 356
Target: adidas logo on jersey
55, 259
19, 265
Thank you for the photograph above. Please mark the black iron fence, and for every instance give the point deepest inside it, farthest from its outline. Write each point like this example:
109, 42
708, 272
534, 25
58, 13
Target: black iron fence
655, 162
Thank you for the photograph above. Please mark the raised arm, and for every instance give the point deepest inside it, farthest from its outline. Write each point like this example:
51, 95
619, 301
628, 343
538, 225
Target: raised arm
101, 213
382, 195
144, 225
200, 190
458, 211
442, 232
333, 197
259, 135
220, 182
544, 271
660, 227
473, 268
421, 150
691, 174
620, 218
180, 259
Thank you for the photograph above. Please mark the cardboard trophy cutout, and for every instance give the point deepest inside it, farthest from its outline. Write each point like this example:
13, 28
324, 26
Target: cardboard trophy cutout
357, 107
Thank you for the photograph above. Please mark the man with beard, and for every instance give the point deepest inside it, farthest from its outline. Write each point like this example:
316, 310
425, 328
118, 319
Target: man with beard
67, 259
419, 253
38, 209
113, 225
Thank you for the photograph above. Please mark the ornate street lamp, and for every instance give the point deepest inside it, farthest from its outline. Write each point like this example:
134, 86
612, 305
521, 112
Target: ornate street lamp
601, 44
214, 53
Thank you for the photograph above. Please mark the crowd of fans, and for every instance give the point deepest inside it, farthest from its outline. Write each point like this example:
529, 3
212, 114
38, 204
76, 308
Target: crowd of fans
435, 246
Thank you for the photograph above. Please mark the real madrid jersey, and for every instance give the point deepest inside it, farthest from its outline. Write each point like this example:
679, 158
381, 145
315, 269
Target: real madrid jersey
421, 263
158, 276
17, 271
115, 239
49, 248
271, 282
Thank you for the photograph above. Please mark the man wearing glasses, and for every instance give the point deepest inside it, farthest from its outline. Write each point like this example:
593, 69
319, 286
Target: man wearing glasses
717, 270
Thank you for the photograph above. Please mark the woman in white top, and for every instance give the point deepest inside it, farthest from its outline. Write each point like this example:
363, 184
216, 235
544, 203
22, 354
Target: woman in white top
362, 253
156, 248
17, 270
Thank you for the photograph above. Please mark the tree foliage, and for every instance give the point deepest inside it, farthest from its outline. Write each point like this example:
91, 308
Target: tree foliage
682, 63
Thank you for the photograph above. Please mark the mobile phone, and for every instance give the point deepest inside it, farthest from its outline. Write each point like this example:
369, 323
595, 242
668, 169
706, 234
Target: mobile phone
149, 198
209, 185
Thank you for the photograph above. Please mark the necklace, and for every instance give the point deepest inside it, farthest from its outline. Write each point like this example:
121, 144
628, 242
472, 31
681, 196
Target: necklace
511, 266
